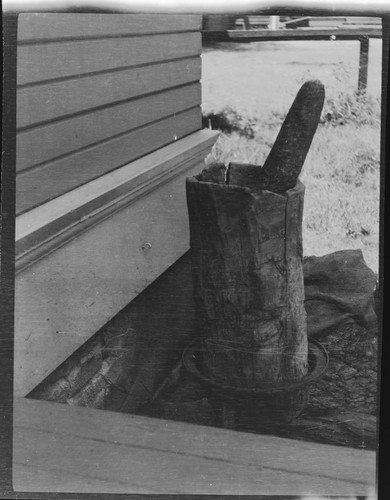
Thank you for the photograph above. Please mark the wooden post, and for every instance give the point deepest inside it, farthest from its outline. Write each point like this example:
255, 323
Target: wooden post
363, 64
274, 22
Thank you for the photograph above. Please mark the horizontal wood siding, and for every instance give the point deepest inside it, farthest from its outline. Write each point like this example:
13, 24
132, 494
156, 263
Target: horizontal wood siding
41, 103
49, 61
50, 180
96, 91
75, 133
49, 26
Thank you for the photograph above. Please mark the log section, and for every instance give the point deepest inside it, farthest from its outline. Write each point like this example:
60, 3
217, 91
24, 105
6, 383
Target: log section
248, 281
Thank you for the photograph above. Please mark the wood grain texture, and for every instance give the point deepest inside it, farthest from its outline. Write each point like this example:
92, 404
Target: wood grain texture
74, 170
40, 62
248, 282
53, 100
47, 142
34, 27
59, 448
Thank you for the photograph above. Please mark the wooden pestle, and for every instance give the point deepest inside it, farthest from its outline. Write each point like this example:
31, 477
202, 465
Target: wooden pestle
285, 161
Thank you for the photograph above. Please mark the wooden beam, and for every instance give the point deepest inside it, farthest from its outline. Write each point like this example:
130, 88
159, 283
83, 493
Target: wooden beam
259, 35
58, 448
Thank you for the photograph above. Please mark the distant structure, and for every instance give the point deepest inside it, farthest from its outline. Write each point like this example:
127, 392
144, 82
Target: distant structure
245, 29
223, 22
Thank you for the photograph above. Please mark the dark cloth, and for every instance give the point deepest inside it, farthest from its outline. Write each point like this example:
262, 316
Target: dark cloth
339, 289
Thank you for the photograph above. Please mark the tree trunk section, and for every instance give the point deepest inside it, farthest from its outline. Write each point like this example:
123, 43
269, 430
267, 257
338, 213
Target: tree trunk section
248, 282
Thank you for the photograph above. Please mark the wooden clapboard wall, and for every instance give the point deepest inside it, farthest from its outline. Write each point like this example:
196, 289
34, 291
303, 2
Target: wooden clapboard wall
97, 91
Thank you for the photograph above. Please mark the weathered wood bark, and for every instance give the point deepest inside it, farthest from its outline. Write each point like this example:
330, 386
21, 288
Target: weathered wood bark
248, 281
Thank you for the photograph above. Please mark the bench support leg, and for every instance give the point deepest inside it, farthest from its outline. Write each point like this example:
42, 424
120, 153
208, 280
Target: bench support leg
363, 64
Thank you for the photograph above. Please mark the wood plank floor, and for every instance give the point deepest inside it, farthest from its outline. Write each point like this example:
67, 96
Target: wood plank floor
58, 448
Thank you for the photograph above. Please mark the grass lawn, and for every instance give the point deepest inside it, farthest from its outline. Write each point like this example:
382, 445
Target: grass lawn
252, 87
